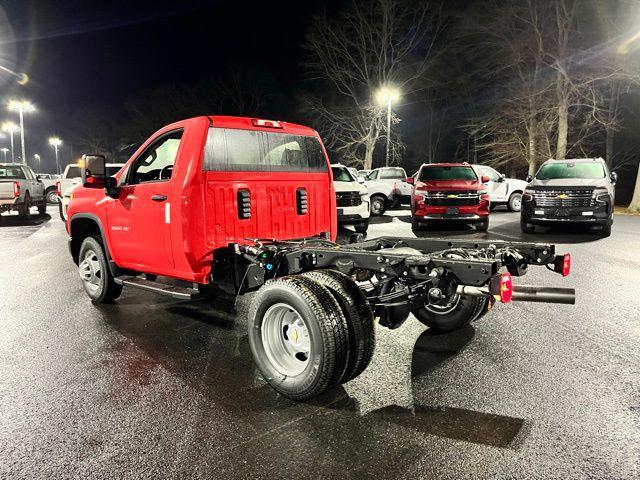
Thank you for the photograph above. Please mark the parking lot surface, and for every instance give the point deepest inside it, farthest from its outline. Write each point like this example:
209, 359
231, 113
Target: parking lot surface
156, 388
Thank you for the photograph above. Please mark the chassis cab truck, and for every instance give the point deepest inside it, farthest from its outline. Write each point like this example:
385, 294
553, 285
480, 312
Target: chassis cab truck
247, 205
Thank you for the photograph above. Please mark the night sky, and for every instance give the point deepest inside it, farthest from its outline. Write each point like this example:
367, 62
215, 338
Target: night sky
82, 54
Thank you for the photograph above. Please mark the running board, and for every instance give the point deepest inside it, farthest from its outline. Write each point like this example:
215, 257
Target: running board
181, 293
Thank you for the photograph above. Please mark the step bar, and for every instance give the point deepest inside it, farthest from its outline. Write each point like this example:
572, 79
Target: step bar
173, 291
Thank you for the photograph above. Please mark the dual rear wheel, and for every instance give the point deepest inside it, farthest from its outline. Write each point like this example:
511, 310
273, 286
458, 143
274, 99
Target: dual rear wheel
310, 332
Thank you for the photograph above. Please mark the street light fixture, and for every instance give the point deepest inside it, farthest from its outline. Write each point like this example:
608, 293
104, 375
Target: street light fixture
22, 107
55, 142
388, 96
11, 128
37, 158
4, 150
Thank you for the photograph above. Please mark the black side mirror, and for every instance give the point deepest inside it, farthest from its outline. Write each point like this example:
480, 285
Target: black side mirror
502, 177
614, 177
529, 178
38, 178
111, 188
94, 171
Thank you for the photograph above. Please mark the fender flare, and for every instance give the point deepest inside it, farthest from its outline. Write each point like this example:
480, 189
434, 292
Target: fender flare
115, 270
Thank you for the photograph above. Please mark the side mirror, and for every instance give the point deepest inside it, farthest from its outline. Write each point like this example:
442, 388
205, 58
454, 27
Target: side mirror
529, 178
360, 179
94, 171
503, 177
614, 177
410, 180
111, 188
485, 179
39, 178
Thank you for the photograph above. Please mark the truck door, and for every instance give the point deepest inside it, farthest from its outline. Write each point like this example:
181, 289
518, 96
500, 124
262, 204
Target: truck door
497, 186
140, 218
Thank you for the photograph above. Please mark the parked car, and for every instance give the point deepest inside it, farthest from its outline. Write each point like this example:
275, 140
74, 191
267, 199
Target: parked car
20, 189
65, 198
502, 190
576, 191
248, 205
70, 176
49, 182
449, 192
352, 198
396, 177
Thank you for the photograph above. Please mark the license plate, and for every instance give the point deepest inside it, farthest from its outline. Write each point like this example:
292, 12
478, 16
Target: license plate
452, 211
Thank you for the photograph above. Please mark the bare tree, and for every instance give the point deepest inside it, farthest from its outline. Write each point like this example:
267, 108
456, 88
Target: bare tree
373, 44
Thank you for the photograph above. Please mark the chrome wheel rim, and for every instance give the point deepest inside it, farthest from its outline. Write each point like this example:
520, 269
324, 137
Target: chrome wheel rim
90, 272
286, 339
376, 206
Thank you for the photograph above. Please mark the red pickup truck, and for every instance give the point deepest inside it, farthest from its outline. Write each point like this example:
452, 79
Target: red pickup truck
227, 204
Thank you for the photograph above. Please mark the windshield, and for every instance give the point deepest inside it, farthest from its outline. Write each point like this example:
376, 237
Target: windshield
552, 171
341, 174
429, 173
74, 172
12, 172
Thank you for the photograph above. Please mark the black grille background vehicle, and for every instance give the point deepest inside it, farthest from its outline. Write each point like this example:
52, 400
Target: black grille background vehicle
564, 198
447, 199
348, 199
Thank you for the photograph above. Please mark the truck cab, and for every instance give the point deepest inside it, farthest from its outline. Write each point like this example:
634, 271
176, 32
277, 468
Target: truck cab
200, 184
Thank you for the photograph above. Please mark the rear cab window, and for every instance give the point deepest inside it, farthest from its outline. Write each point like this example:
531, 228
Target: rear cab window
441, 172
393, 173
229, 149
14, 173
73, 171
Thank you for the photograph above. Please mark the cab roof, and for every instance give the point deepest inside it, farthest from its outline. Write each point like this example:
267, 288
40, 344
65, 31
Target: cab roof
255, 123
576, 160
447, 164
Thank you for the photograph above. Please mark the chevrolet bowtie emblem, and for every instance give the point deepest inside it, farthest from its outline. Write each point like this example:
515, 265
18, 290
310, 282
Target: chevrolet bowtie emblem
562, 195
452, 196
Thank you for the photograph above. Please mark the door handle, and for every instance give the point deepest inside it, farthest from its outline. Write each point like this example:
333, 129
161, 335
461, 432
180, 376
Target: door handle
159, 198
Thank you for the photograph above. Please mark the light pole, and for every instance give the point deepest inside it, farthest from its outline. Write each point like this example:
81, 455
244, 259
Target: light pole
5, 150
387, 96
21, 106
55, 142
37, 158
11, 128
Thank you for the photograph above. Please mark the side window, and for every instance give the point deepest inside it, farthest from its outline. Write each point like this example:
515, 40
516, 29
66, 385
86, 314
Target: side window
372, 175
27, 173
491, 173
155, 164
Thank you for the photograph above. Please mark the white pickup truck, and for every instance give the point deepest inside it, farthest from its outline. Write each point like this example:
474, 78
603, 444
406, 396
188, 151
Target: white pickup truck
395, 177
502, 190
20, 189
71, 176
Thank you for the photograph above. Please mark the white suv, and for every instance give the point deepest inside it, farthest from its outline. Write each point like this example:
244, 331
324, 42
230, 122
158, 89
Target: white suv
352, 198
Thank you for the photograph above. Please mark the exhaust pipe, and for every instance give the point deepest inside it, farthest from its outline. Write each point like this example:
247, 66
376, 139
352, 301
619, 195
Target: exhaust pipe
530, 293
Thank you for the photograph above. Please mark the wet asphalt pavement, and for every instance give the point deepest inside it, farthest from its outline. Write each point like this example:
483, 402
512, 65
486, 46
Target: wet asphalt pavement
156, 388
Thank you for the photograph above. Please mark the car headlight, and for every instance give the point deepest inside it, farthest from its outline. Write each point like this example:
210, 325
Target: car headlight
601, 195
528, 194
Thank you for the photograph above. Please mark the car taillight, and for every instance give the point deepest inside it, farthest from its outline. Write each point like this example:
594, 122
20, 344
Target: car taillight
506, 287
562, 264
259, 122
16, 189
58, 189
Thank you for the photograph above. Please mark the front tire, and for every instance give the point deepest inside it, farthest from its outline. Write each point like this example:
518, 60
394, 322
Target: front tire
51, 196
606, 229
515, 202
42, 206
95, 274
298, 337
527, 227
378, 205
483, 227
361, 227
462, 310
416, 226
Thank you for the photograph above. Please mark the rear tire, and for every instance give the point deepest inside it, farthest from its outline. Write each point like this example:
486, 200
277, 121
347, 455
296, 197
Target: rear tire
378, 205
463, 310
42, 206
24, 210
51, 196
61, 211
298, 337
95, 274
359, 315
515, 202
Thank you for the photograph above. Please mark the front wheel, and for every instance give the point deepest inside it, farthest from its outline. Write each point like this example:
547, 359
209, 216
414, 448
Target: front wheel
378, 205
51, 195
483, 226
606, 229
526, 227
298, 337
95, 274
515, 202
460, 311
